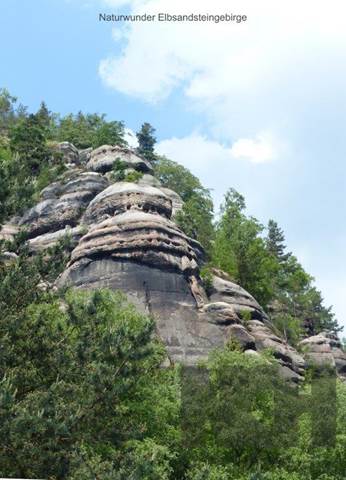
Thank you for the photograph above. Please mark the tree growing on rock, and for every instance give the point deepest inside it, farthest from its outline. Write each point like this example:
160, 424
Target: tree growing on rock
146, 141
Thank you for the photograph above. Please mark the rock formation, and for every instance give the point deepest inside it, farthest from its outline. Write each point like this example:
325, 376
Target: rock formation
124, 237
323, 350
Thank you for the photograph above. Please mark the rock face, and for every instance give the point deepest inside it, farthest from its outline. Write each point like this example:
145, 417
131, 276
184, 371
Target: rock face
325, 350
69, 153
62, 204
104, 158
124, 237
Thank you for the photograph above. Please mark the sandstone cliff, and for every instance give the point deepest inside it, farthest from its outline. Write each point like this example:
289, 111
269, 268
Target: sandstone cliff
124, 237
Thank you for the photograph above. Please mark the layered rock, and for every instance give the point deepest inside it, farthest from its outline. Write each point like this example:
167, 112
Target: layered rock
104, 158
325, 350
224, 290
123, 196
124, 237
62, 204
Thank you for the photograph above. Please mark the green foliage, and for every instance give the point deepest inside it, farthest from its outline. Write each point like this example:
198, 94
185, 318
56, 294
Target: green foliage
133, 176
289, 327
27, 165
28, 140
9, 112
275, 241
82, 395
88, 130
245, 414
52, 262
118, 170
205, 471
146, 142
207, 278
178, 178
196, 216
240, 251
70, 373
262, 266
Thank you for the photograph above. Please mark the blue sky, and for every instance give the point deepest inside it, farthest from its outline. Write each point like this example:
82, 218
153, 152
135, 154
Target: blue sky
259, 106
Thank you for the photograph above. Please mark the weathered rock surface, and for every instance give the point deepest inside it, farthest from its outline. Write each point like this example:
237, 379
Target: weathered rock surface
63, 204
69, 153
123, 196
124, 237
47, 240
177, 202
292, 363
103, 159
325, 350
223, 290
8, 231
163, 293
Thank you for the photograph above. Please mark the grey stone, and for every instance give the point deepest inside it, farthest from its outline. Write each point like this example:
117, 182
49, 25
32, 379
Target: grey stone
69, 153
123, 196
325, 350
103, 159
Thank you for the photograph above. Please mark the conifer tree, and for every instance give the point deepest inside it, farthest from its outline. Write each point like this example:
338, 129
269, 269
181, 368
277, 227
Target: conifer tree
146, 141
275, 241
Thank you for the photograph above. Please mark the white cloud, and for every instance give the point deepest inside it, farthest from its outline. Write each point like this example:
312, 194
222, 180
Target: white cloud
197, 150
258, 150
223, 64
131, 138
218, 168
194, 151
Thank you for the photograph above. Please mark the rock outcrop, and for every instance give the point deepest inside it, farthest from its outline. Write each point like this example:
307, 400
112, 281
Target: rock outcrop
325, 350
104, 158
123, 236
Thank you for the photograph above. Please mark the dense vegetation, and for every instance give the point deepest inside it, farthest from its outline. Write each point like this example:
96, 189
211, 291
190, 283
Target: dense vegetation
82, 390
82, 395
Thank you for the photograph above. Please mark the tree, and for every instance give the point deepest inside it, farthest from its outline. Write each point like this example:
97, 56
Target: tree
81, 389
28, 140
7, 110
146, 141
239, 414
43, 115
275, 241
90, 130
196, 216
240, 250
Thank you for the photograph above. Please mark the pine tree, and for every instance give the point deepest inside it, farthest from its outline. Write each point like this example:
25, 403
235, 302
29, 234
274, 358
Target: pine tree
43, 115
146, 141
275, 242
28, 140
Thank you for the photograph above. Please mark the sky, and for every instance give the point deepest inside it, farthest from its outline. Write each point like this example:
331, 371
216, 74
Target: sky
259, 106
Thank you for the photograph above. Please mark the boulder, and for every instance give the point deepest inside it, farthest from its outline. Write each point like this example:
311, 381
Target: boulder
103, 159
63, 204
8, 257
177, 202
223, 290
325, 350
8, 231
84, 155
124, 196
292, 362
140, 237
69, 153
48, 240
150, 181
